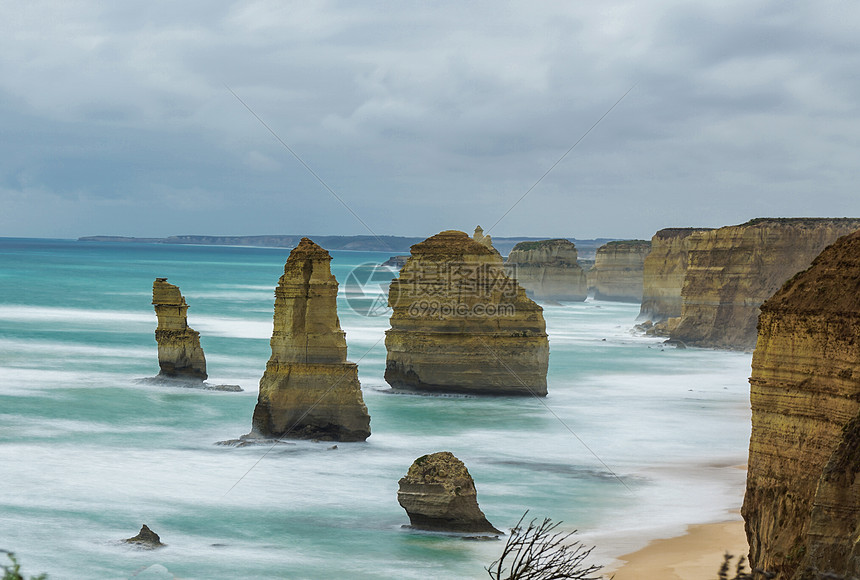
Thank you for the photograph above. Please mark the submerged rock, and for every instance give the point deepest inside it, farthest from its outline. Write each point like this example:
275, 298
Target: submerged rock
309, 389
617, 274
548, 270
461, 325
802, 502
439, 494
179, 353
146, 538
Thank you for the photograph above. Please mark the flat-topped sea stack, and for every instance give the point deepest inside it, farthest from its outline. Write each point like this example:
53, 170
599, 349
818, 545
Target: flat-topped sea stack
461, 325
618, 269
663, 274
802, 503
439, 494
733, 269
309, 390
179, 353
548, 270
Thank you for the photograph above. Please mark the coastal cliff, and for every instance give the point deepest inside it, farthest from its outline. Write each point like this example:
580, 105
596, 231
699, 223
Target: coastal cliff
733, 269
179, 353
548, 270
802, 503
618, 270
461, 325
663, 274
309, 389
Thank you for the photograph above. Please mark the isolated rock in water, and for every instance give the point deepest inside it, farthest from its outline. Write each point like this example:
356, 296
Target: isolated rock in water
733, 269
664, 270
548, 270
461, 325
802, 502
309, 390
438, 494
618, 271
179, 352
146, 538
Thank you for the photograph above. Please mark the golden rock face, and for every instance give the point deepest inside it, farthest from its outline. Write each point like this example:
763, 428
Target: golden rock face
548, 270
460, 324
732, 270
309, 389
664, 270
439, 494
179, 351
802, 503
618, 270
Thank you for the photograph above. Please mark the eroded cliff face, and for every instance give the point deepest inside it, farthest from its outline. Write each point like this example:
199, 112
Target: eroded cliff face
618, 270
802, 503
548, 270
664, 270
732, 270
439, 494
309, 389
461, 325
179, 353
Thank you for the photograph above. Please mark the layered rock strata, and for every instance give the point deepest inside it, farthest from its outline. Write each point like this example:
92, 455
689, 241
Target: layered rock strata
548, 270
179, 353
732, 270
802, 503
439, 494
309, 389
460, 324
663, 273
618, 270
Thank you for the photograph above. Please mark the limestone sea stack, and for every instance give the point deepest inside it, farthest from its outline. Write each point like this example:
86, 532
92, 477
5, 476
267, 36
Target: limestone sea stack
179, 353
439, 494
309, 390
618, 270
460, 324
663, 274
733, 269
548, 270
802, 503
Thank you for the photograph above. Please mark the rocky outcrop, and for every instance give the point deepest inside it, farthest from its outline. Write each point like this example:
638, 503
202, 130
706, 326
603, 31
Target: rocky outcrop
548, 270
309, 390
459, 324
146, 538
663, 274
179, 353
617, 271
732, 270
802, 503
439, 494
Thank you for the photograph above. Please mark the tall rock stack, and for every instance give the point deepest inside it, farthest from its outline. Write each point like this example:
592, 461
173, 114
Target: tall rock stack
732, 270
802, 503
460, 324
309, 390
618, 270
548, 270
663, 275
179, 353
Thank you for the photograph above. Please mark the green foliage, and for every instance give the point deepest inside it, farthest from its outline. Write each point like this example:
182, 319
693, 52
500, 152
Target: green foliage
13, 571
526, 246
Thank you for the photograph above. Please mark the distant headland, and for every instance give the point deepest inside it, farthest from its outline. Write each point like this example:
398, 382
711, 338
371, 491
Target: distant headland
394, 244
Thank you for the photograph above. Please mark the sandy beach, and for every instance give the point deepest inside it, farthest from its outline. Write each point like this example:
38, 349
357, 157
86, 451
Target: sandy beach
696, 555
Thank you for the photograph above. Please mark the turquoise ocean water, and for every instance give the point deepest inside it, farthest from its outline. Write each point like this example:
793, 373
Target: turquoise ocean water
633, 441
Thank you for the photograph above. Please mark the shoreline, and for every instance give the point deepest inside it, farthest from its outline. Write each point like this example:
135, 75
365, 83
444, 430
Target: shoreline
697, 554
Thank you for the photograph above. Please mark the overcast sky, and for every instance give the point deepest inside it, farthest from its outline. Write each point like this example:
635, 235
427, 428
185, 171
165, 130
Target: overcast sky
118, 117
